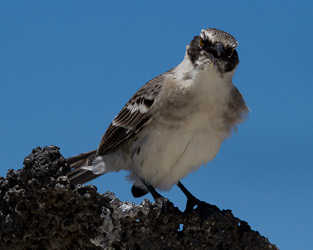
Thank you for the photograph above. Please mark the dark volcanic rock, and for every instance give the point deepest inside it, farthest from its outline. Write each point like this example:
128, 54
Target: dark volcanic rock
39, 209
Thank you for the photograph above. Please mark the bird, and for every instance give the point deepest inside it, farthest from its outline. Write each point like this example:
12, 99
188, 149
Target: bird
173, 124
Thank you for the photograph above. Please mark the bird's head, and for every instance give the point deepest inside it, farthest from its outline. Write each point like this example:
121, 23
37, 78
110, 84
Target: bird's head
214, 46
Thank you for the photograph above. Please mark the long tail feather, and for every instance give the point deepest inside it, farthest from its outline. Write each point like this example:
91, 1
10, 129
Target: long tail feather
78, 175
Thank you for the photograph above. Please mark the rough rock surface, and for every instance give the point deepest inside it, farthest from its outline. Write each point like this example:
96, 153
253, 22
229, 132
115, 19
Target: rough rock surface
40, 210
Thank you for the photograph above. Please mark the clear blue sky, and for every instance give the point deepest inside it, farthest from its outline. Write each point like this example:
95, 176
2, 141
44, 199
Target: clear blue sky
68, 67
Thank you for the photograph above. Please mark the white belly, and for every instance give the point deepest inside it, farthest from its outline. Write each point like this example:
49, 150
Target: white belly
168, 155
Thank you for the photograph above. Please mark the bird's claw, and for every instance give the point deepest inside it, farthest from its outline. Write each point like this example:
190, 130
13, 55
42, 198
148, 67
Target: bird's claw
163, 205
191, 204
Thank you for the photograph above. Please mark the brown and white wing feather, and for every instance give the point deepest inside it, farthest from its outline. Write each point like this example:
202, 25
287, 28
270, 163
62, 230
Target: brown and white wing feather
132, 118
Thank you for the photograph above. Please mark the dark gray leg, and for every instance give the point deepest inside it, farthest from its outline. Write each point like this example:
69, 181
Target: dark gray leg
191, 200
152, 191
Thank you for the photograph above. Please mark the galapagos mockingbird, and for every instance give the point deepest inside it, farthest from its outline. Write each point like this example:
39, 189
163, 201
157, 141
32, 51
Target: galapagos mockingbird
174, 124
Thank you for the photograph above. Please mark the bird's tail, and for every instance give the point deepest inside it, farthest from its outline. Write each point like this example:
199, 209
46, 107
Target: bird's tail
79, 174
88, 166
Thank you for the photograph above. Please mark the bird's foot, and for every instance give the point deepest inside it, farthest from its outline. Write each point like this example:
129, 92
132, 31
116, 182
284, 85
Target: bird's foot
163, 205
204, 209
192, 203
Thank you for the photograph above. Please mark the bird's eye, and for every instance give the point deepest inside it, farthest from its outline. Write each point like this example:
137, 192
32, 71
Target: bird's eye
201, 42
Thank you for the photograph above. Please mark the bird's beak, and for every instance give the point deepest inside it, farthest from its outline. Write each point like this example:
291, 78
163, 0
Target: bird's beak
216, 51
219, 49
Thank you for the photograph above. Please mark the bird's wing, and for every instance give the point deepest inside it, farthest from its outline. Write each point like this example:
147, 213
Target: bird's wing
132, 118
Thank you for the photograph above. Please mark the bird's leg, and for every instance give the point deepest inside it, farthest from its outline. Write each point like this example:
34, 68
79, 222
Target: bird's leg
152, 191
191, 200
